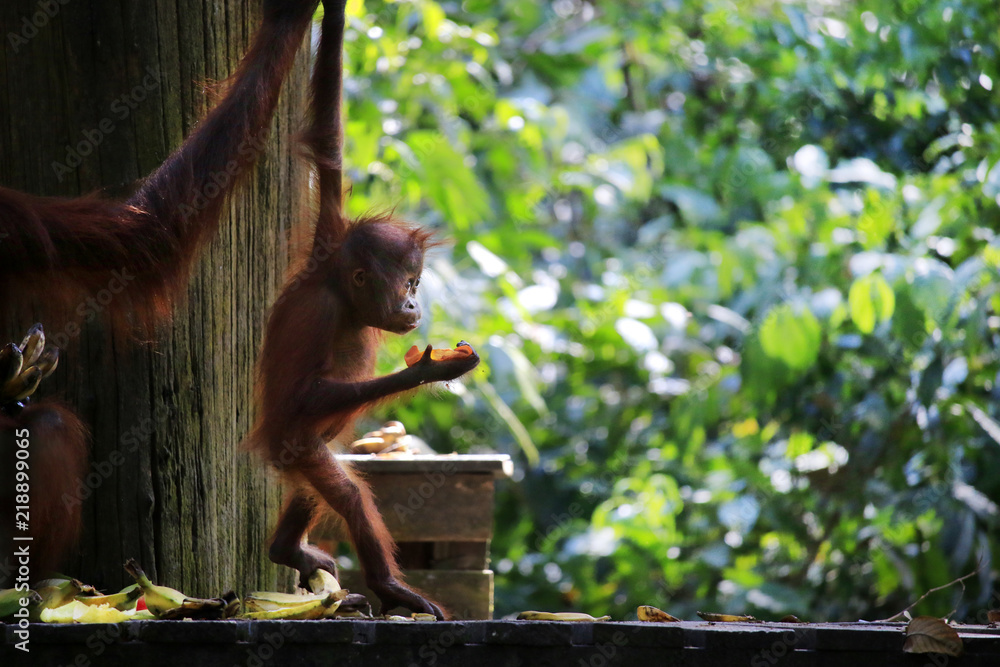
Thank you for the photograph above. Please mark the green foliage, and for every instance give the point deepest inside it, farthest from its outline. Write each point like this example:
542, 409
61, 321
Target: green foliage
732, 269
872, 301
794, 337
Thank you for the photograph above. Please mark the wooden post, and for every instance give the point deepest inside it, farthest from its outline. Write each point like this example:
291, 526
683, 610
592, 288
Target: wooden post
96, 95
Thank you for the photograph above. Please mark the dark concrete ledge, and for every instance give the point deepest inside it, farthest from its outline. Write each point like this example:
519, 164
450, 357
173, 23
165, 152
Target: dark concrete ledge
481, 644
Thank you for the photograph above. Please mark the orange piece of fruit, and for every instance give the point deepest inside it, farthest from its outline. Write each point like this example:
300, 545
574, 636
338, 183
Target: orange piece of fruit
414, 354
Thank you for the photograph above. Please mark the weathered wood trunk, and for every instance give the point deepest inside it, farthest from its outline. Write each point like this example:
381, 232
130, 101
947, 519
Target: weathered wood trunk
95, 95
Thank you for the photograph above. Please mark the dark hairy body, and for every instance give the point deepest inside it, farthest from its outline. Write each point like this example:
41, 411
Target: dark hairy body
315, 374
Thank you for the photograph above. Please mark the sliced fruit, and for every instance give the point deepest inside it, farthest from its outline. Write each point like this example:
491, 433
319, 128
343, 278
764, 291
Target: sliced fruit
414, 354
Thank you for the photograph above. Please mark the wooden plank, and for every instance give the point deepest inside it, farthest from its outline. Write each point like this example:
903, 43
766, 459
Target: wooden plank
498, 465
467, 595
482, 643
430, 507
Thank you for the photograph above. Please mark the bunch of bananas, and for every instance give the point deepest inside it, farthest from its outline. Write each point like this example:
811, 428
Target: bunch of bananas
23, 367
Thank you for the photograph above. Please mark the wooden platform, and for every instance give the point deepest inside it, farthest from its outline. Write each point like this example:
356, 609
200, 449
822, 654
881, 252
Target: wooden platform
439, 509
483, 644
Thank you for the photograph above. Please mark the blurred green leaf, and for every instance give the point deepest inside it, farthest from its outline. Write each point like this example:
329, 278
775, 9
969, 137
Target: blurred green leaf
872, 301
791, 335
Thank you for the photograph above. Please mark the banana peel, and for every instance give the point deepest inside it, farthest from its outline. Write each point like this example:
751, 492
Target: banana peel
10, 601
572, 616
651, 614
58, 592
354, 605
304, 611
195, 608
322, 581
274, 605
273, 600
123, 600
78, 612
727, 618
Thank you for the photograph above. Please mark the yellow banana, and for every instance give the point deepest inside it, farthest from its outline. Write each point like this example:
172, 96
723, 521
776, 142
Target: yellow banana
10, 363
322, 581
24, 385
422, 617
33, 344
61, 591
48, 361
560, 616
159, 599
653, 615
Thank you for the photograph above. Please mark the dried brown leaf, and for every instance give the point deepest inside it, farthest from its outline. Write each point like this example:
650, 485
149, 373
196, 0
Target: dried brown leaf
926, 634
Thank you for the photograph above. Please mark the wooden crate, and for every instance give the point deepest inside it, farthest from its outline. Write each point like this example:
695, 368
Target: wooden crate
439, 509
